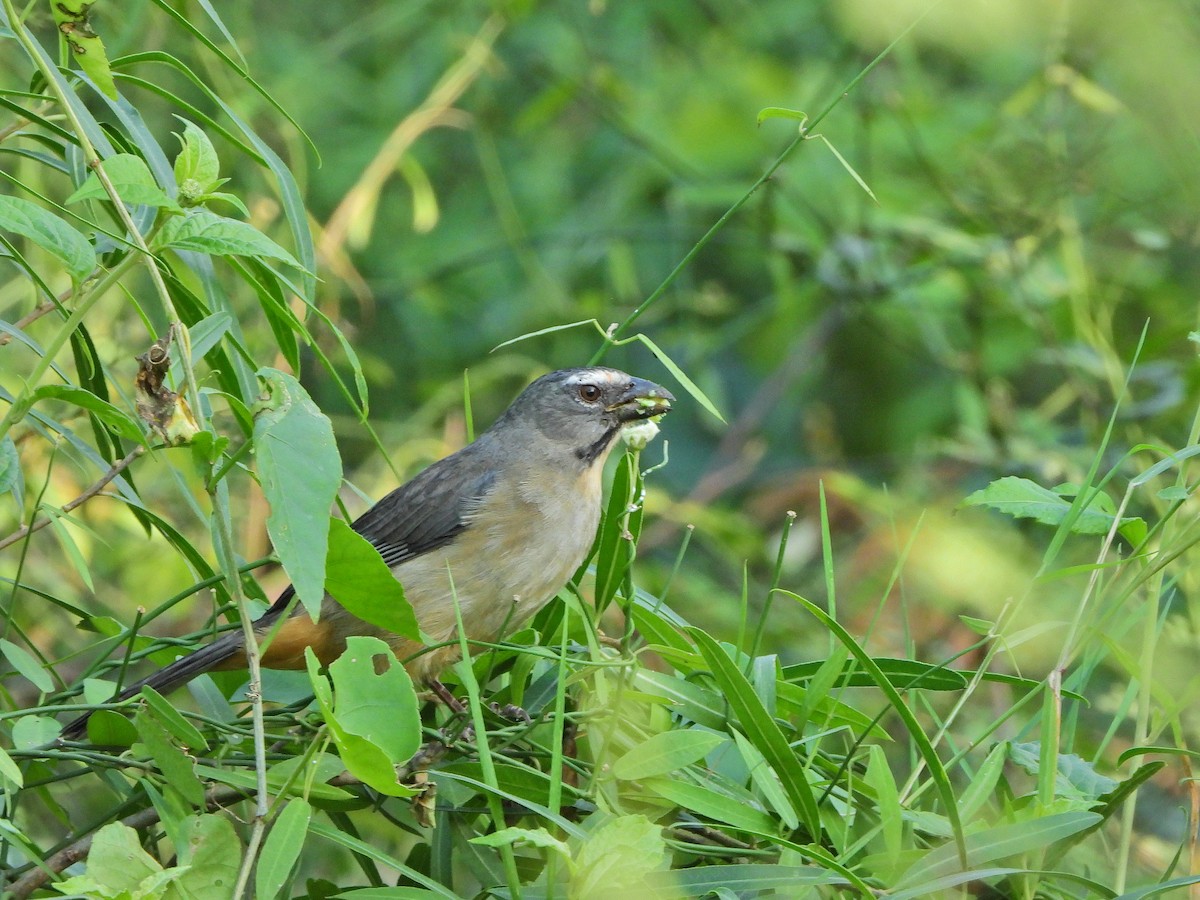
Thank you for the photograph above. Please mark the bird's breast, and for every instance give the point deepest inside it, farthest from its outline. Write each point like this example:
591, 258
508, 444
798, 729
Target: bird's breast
520, 546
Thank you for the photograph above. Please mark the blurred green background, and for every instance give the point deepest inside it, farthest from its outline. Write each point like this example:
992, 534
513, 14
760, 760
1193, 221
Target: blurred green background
537, 164
488, 170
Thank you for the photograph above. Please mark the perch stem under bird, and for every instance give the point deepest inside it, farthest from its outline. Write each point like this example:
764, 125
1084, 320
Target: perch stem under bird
498, 527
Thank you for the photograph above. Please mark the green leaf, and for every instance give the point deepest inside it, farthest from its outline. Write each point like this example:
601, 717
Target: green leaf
389, 739
992, 844
614, 554
745, 879
902, 673
9, 770
849, 168
10, 467
27, 665
760, 728
983, 784
616, 858
172, 720
767, 782
197, 159
212, 853
282, 848
49, 232
915, 730
664, 753
687, 383
695, 701
780, 112
1076, 777
523, 837
119, 421
175, 765
712, 804
74, 23
369, 851
358, 578
116, 863
275, 782
300, 471
131, 179
29, 732
887, 799
389, 893
379, 706
204, 231
1024, 499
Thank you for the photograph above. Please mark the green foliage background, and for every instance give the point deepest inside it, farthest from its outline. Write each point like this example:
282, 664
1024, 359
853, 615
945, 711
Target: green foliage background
1016, 296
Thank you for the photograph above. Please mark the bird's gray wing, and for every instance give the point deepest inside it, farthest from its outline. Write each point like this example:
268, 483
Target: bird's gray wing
429, 511
421, 515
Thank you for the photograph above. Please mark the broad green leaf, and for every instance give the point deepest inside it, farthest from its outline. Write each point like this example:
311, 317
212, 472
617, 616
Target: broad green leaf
1001, 842
27, 665
902, 673
1024, 499
246, 780
370, 851
616, 858
74, 22
358, 578
116, 861
887, 799
663, 753
29, 732
10, 467
9, 770
983, 784
711, 804
523, 837
300, 471
131, 179
767, 782
173, 720
203, 231
760, 728
119, 421
175, 765
49, 232
915, 730
282, 848
1158, 890
365, 760
197, 160
1076, 777
614, 554
212, 852
694, 701
106, 728
378, 706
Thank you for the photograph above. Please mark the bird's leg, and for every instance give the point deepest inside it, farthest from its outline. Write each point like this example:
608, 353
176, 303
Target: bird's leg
511, 711
443, 693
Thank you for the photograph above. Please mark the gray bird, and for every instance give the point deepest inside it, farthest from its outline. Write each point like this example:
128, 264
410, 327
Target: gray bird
501, 525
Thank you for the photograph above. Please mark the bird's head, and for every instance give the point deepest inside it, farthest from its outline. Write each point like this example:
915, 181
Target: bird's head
585, 409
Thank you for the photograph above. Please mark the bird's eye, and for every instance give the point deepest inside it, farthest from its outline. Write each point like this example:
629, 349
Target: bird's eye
589, 393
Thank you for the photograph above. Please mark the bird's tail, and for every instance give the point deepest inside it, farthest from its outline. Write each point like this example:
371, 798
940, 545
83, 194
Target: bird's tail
225, 649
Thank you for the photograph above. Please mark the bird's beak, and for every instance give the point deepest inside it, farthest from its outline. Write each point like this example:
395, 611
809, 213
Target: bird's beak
643, 400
